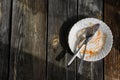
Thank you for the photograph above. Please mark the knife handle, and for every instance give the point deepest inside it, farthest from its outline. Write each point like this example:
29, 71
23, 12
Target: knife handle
69, 63
76, 53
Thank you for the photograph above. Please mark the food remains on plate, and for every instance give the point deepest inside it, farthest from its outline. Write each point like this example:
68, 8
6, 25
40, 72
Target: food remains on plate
95, 44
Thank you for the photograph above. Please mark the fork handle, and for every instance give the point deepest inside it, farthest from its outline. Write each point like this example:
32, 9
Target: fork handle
82, 59
81, 66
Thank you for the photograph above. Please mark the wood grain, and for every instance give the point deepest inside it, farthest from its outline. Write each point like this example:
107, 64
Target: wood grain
61, 16
28, 40
5, 12
91, 8
71, 20
112, 61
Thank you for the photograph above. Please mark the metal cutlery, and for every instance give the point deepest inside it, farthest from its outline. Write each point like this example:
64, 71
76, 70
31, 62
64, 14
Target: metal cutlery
90, 31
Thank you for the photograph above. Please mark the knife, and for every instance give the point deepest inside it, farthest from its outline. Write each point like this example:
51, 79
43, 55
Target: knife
90, 31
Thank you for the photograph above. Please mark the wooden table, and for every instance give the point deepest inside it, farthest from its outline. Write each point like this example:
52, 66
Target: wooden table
33, 39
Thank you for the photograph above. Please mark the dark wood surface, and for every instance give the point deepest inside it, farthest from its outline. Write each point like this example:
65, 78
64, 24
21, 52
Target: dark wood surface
91, 8
112, 61
59, 12
5, 12
33, 39
28, 40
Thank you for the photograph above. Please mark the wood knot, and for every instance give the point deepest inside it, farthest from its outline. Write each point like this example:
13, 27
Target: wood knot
99, 16
55, 41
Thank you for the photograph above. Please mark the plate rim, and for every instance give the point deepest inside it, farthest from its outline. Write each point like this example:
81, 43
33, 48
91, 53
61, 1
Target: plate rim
79, 29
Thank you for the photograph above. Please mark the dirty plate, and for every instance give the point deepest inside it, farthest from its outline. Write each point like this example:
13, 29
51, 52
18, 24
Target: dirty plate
72, 38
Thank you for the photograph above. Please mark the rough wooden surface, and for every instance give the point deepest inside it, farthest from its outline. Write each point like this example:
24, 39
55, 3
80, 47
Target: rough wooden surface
71, 19
37, 43
5, 12
60, 14
28, 40
112, 61
91, 8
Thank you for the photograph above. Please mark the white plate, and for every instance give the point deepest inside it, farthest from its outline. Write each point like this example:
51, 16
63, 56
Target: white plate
85, 23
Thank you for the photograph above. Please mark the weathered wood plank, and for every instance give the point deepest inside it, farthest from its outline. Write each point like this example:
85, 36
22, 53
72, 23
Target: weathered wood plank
28, 40
60, 14
5, 11
71, 20
112, 61
91, 8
